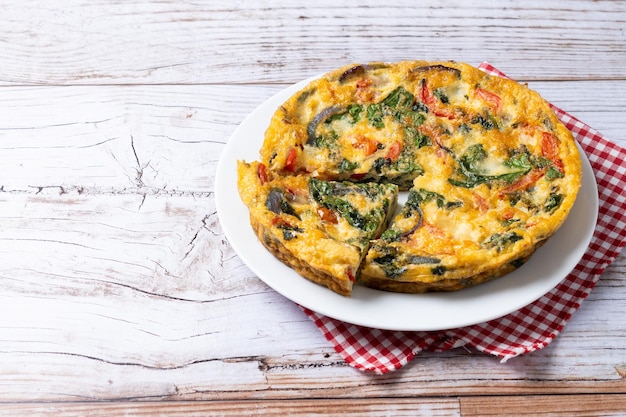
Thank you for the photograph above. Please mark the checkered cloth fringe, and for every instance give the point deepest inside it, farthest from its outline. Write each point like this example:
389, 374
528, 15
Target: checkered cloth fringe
532, 327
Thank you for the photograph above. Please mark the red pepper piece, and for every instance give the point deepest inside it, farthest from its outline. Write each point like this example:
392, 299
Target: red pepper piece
524, 182
358, 177
426, 95
290, 163
492, 99
550, 149
428, 98
262, 173
350, 275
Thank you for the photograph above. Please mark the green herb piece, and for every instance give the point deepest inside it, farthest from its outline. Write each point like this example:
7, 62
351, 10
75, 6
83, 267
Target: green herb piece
416, 138
553, 202
441, 95
399, 99
464, 128
395, 263
470, 175
414, 119
327, 140
407, 164
509, 222
352, 114
391, 235
290, 232
419, 260
500, 241
424, 196
412, 204
488, 122
355, 111
553, 173
375, 115
468, 171
521, 161
327, 194
390, 265
438, 270
346, 165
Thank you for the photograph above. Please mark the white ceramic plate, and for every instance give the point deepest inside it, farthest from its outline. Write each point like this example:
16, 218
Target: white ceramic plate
393, 311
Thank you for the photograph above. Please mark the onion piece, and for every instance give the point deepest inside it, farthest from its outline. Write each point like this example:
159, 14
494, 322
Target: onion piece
359, 70
437, 67
416, 226
319, 118
418, 260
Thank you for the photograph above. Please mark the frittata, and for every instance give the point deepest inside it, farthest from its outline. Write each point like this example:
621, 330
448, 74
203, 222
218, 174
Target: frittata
491, 172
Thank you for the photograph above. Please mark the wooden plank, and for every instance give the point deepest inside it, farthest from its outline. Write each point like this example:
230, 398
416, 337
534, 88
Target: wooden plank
81, 42
479, 406
148, 139
121, 296
319, 408
546, 405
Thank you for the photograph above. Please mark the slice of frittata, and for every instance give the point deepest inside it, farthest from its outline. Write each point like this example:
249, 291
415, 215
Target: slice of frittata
321, 229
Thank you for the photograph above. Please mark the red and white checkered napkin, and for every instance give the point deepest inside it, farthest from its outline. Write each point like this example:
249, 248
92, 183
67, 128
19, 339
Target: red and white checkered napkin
530, 328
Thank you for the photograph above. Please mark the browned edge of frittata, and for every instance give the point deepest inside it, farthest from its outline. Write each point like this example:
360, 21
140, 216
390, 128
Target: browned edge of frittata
449, 284
276, 248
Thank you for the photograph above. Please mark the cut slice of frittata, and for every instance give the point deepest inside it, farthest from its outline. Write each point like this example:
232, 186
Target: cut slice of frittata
321, 229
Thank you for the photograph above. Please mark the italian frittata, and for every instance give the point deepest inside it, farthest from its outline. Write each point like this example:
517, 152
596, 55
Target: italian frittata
490, 172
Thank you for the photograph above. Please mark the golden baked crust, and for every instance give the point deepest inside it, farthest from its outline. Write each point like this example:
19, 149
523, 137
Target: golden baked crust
491, 172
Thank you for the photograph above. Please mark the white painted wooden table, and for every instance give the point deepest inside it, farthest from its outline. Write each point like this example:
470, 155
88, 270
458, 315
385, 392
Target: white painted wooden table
119, 293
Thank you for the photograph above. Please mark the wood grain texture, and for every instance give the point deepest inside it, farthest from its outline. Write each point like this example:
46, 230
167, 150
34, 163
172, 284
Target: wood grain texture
304, 408
601, 405
142, 296
173, 42
146, 139
545, 406
119, 292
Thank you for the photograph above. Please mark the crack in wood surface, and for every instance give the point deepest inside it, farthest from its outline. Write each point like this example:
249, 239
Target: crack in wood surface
82, 190
139, 169
137, 364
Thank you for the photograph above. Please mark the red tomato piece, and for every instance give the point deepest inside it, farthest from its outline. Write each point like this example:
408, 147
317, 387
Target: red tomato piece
277, 221
508, 214
482, 204
363, 91
367, 145
327, 215
394, 151
447, 113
